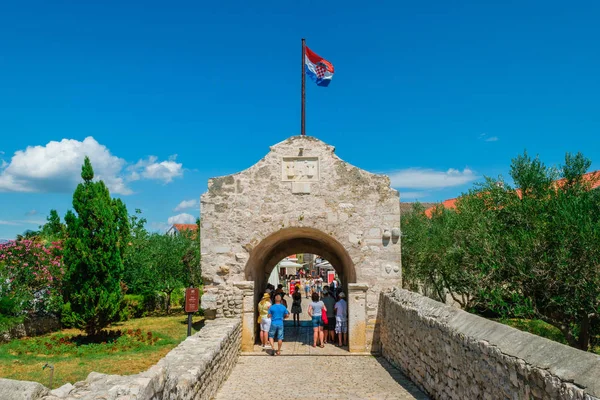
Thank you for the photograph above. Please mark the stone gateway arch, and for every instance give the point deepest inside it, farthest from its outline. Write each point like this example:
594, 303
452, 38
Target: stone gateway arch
300, 198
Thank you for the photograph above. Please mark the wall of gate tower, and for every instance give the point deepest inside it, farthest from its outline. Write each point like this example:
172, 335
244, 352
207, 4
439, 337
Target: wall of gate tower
300, 197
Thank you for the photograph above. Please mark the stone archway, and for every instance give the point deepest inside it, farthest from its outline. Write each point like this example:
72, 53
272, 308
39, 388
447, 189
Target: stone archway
297, 240
300, 197
265, 256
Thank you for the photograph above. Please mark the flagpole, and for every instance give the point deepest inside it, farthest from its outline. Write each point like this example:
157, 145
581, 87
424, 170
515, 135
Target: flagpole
303, 101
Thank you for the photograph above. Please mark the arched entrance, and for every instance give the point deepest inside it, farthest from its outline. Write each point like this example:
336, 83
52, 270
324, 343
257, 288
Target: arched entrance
265, 256
276, 246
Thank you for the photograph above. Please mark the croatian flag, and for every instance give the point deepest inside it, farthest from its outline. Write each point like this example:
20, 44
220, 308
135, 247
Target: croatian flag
319, 69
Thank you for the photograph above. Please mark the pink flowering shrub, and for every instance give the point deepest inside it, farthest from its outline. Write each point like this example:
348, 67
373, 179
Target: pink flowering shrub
30, 277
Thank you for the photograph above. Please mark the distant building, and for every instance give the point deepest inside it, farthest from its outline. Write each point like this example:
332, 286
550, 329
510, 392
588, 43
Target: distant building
176, 229
407, 207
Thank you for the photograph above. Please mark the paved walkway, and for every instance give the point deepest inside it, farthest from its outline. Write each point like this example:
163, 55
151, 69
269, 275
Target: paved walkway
308, 377
337, 375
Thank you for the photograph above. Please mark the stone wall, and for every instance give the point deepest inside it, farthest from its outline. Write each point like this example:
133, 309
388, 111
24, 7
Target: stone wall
452, 354
227, 300
33, 326
193, 370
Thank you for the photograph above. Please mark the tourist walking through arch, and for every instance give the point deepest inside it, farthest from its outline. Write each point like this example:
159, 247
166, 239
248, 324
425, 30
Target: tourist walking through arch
329, 327
296, 305
277, 312
315, 311
341, 320
263, 319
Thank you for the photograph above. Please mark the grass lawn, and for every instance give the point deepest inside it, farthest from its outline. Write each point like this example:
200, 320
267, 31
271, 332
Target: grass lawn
128, 348
539, 328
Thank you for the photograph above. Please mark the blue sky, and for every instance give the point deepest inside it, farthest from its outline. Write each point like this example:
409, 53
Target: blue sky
162, 97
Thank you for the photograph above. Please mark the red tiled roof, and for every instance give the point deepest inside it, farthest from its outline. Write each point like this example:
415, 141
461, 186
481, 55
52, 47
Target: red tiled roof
186, 227
450, 204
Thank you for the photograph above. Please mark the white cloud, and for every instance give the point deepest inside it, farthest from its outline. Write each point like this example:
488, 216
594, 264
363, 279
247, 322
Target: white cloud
182, 218
32, 222
186, 204
159, 226
486, 138
31, 212
22, 222
421, 178
152, 169
404, 196
56, 167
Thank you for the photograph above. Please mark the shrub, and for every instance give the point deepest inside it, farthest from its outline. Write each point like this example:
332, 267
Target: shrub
132, 307
30, 277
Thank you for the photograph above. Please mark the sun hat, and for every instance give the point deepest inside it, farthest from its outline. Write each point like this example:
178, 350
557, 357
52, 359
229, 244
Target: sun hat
266, 296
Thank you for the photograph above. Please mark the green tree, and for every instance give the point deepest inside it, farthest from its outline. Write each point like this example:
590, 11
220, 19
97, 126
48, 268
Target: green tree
529, 251
555, 255
138, 273
96, 234
167, 267
53, 229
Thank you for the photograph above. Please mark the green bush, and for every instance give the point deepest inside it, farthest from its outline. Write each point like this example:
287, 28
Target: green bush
8, 322
178, 299
132, 307
537, 327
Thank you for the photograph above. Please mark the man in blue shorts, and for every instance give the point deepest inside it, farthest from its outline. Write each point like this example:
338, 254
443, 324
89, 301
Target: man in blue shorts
277, 312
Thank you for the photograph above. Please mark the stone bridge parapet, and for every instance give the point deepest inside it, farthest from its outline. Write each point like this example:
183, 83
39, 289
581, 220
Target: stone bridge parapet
193, 370
452, 354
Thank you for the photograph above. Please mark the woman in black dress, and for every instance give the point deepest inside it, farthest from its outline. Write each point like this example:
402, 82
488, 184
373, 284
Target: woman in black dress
297, 305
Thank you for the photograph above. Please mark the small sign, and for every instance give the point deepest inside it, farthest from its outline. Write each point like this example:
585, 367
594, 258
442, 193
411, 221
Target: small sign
192, 298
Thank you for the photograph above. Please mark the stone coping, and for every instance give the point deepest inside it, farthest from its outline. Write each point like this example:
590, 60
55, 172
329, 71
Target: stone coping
567, 363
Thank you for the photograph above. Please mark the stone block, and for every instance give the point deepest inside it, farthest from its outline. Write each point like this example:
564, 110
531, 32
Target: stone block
62, 391
301, 187
374, 233
220, 249
249, 304
21, 390
208, 301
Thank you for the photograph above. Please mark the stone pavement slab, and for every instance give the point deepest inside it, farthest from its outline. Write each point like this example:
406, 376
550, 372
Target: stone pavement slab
306, 377
299, 341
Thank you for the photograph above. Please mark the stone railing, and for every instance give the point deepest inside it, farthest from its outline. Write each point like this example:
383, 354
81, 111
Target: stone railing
193, 370
452, 354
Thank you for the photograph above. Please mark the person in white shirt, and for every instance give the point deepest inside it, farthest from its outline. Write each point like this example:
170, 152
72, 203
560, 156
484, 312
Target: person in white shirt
341, 319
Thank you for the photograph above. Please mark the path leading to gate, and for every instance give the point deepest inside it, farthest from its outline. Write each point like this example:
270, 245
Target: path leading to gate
309, 377
298, 374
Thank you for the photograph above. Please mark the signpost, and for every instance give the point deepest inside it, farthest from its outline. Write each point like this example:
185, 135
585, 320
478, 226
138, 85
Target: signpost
192, 299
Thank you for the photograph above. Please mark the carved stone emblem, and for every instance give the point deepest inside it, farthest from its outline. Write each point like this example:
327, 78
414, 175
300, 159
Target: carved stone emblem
300, 169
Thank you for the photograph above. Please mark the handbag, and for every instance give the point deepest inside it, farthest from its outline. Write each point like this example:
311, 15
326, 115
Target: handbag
324, 317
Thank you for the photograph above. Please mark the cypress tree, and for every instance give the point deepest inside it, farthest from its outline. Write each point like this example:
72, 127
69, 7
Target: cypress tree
96, 235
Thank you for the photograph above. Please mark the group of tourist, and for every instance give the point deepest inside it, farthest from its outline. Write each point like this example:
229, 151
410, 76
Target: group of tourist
328, 311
